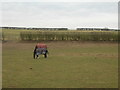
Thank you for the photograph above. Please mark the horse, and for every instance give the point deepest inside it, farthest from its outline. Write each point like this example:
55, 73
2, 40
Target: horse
40, 49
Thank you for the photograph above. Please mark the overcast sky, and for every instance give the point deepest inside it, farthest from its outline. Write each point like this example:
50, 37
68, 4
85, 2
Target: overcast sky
60, 14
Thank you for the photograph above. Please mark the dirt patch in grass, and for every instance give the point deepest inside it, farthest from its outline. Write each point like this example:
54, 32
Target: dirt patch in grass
60, 44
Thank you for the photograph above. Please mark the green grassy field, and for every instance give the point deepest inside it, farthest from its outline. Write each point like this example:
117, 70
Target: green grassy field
69, 65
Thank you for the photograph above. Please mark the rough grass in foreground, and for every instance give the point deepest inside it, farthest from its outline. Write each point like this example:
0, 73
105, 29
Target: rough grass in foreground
69, 65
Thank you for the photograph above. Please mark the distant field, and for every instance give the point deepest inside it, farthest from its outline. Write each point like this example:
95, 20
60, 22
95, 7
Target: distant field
10, 34
70, 35
69, 65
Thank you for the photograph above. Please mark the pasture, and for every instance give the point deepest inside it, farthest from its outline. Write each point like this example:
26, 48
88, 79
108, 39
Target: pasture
70, 64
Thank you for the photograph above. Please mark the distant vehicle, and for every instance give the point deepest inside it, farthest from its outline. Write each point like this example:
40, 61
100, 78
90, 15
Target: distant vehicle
40, 49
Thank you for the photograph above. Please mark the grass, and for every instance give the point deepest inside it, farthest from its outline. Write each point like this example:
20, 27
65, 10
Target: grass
69, 65
71, 35
10, 34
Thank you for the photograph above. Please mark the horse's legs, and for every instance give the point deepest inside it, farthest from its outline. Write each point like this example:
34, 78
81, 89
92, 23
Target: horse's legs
45, 55
34, 55
37, 56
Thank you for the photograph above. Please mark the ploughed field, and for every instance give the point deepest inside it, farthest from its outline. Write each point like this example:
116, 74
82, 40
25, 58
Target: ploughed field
70, 64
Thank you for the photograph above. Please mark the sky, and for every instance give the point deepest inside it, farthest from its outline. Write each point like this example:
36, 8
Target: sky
60, 14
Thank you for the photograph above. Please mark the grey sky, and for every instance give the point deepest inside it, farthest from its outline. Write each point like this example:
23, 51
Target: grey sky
60, 14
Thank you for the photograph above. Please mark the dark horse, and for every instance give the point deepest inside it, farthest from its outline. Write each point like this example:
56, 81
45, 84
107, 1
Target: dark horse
40, 49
